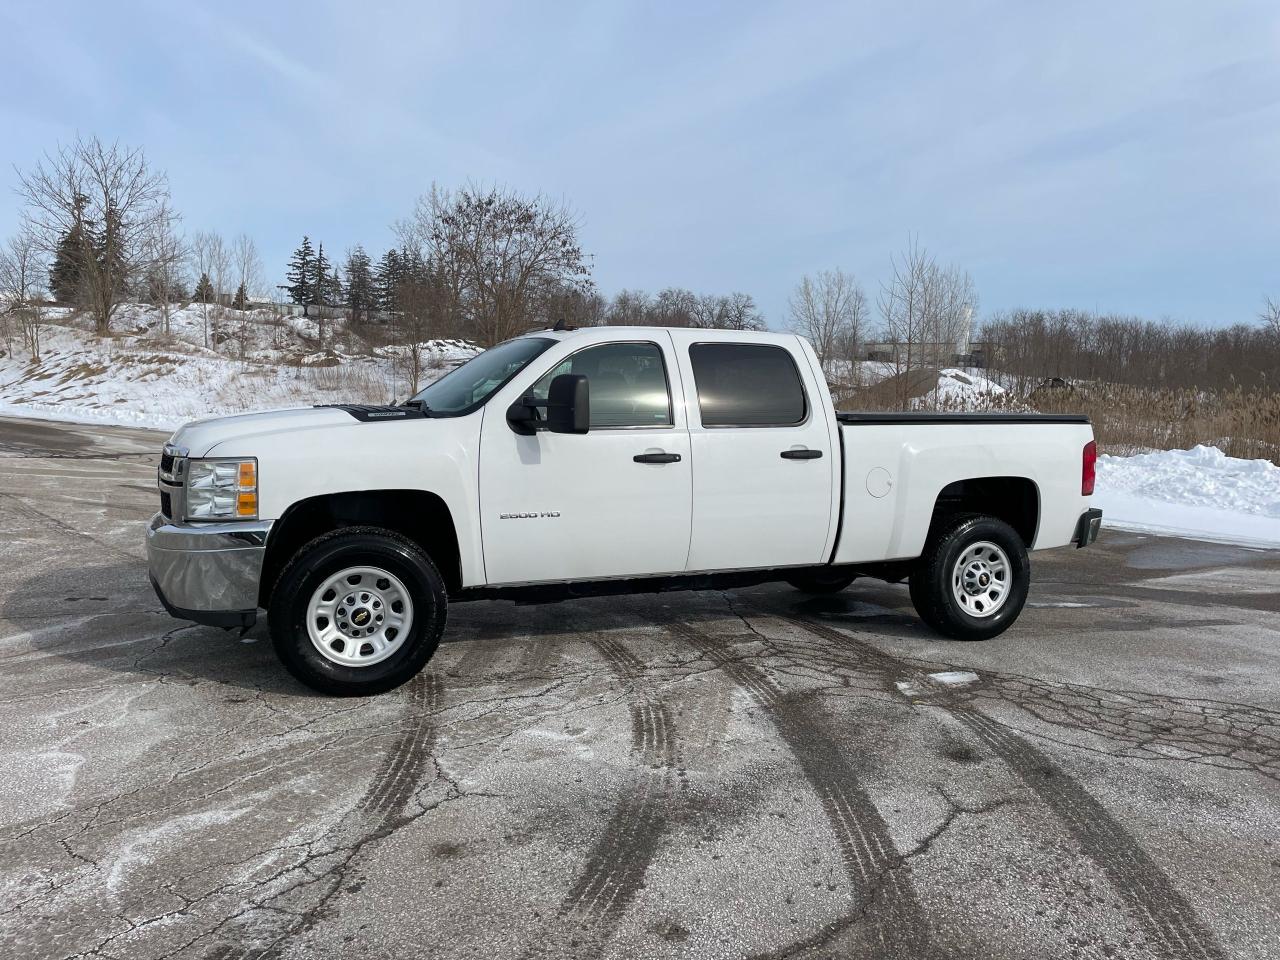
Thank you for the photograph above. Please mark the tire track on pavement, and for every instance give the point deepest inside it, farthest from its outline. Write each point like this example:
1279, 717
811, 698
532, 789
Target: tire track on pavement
380, 811
1166, 918
616, 865
889, 920
1150, 897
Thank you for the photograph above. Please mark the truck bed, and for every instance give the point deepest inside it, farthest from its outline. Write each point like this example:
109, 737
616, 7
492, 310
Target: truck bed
899, 465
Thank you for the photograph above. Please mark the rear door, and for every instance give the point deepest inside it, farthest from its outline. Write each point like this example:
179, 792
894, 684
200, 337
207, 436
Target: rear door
764, 458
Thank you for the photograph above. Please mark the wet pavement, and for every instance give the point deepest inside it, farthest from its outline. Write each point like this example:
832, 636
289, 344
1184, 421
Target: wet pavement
750, 773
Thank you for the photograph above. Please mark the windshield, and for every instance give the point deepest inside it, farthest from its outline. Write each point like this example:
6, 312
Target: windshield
462, 390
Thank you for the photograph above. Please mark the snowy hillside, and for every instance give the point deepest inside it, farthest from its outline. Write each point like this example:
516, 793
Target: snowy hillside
1199, 493
144, 377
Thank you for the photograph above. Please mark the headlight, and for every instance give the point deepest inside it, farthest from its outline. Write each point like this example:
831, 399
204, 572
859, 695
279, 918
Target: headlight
222, 490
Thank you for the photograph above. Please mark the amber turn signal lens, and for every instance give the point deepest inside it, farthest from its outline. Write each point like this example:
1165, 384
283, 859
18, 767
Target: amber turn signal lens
247, 504
248, 474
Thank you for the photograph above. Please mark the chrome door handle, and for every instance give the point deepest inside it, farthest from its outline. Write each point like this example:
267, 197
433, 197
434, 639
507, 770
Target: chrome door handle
801, 454
656, 458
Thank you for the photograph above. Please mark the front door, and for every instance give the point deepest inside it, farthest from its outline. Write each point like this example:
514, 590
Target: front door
582, 506
764, 459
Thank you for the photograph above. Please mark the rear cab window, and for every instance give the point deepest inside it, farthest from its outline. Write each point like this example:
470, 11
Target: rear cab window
747, 385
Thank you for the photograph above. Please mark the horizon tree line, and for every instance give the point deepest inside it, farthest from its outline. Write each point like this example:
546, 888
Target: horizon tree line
485, 263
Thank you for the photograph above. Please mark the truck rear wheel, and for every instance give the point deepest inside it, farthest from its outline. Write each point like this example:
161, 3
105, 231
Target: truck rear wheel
358, 611
828, 580
972, 580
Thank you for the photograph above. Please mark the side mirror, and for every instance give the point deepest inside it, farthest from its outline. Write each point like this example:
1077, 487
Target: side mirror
569, 404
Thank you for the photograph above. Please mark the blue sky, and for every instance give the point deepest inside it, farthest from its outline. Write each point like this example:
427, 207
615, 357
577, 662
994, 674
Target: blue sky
1117, 156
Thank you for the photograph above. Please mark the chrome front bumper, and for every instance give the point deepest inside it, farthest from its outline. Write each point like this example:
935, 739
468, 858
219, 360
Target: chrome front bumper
207, 572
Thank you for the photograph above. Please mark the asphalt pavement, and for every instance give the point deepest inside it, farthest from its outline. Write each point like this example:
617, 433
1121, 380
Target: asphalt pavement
750, 773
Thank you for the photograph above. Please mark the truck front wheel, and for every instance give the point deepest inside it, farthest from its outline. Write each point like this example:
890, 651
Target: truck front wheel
971, 582
357, 612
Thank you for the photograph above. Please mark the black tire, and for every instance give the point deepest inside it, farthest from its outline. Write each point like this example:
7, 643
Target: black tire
328, 555
932, 580
826, 580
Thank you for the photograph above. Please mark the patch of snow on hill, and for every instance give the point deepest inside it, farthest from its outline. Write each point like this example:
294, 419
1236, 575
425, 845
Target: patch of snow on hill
962, 385
144, 377
1199, 493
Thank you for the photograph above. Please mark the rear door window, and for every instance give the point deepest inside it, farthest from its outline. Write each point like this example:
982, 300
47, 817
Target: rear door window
747, 385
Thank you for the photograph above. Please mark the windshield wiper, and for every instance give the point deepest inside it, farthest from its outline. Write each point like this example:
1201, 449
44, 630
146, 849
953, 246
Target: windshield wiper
420, 405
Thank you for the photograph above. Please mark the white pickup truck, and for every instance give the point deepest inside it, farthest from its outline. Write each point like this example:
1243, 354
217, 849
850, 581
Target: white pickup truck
573, 462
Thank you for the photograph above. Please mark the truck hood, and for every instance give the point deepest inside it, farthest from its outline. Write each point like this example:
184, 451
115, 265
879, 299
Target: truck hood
241, 434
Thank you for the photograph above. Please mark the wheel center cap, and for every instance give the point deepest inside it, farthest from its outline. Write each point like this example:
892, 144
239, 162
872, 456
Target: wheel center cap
984, 579
360, 617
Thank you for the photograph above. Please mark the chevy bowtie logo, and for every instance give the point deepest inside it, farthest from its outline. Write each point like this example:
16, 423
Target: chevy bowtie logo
360, 617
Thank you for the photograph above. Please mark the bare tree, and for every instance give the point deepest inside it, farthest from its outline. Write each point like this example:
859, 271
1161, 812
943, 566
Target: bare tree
904, 309
23, 271
247, 264
736, 311
202, 257
631, 308
212, 261
418, 300
830, 310
927, 311
952, 305
1270, 316
168, 262
220, 268
502, 256
676, 307
111, 202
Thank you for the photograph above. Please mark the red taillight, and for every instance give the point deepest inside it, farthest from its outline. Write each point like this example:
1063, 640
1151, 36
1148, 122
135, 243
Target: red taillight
1089, 468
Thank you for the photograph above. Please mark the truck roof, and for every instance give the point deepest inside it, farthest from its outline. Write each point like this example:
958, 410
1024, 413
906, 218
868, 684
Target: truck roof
711, 333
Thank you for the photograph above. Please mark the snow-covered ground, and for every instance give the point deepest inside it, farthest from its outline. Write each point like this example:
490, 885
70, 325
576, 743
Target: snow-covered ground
1199, 493
143, 376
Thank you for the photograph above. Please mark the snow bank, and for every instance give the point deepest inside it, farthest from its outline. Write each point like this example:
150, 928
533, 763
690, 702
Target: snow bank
1199, 493
964, 385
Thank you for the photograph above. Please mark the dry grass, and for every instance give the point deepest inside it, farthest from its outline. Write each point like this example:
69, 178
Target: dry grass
1127, 420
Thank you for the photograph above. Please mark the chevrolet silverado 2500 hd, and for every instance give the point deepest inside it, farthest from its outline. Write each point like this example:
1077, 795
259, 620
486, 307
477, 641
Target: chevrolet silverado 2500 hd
571, 462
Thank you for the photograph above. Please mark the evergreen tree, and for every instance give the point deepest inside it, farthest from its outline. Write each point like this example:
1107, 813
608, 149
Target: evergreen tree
204, 290
320, 277
108, 250
387, 280
301, 275
241, 301
361, 297
69, 273
333, 289
66, 273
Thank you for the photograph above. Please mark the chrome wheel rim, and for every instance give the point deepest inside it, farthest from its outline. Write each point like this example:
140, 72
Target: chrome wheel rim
359, 616
980, 579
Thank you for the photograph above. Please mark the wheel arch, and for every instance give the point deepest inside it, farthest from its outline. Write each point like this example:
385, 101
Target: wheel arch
420, 515
1013, 499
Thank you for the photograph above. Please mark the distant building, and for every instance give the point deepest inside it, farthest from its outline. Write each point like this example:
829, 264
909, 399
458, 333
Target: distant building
944, 354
